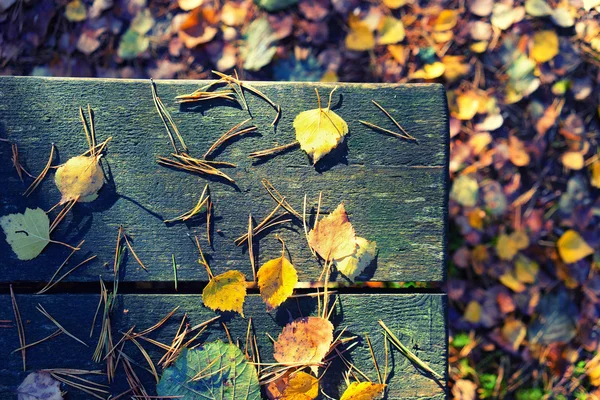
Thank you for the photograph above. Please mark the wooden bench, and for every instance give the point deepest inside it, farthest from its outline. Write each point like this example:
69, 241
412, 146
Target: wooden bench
395, 192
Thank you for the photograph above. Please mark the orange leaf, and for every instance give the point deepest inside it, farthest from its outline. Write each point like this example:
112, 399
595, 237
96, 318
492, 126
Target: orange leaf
333, 237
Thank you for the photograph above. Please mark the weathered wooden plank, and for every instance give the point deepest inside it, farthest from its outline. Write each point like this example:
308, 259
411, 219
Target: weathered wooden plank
395, 191
419, 321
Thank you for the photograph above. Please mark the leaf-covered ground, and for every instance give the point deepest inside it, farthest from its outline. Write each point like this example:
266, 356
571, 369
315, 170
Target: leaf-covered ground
522, 80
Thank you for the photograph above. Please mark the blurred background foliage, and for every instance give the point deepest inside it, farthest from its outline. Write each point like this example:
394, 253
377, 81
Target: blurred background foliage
523, 92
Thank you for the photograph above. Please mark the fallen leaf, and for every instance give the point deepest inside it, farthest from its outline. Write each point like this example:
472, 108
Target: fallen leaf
430, 71
75, 11
572, 247
333, 237
562, 17
514, 332
319, 131
595, 180
517, 153
360, 37
226, 292
28, 233
573, 160
465, 191
446, 20
353, 265
234, 14
199, 27
593, 371
80, 178
526, 270
187, 5
481, 8
363, 391
472, 312
215, 370
258, 49
509, 279
39, 385
304, 341
545, 46
537, 8
393, 4
276, 280
391, 31
467, 104
506, 248
464, 389
295, 386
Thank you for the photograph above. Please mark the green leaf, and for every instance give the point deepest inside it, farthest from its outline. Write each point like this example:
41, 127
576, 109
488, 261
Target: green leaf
27, 233
275, 5
132, 44
537, 8
258, 49
223, 372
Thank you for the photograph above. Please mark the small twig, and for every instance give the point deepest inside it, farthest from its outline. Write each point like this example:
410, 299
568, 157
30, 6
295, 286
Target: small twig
174, 270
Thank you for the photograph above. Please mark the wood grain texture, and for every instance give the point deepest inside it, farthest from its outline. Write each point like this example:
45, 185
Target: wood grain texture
395, 191
418, 320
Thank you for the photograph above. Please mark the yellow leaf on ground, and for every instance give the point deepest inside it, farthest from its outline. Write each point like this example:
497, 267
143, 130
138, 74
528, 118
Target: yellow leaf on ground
572, 247
363, 391
394, 3
360, 37
595, 180
226, 292
506, 248
573, 160
545, 46
509, 279
398, 52
514, 332
517, 153
80, 177
233, 14
391, 31
593, 371
467, 105
473, 312
456, 67
276, 280
319, 131
75, 11
27, 233
429, 71
295, 386
446, 20
333, 237
526, 270
304, 341
352, 266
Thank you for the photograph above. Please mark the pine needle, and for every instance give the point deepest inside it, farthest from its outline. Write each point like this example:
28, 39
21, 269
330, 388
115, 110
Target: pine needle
273, 150
59, 268
230, 134
20, 329
51, 336
174, 270
133, 253
251, 246
42, 174
41, 309
50, 285
194, 211
394, 121
279, 198
193, 165
165, 116
406, 352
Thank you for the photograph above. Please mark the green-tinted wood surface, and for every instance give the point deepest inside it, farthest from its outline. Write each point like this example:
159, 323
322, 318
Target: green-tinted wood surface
395, 191
418, 321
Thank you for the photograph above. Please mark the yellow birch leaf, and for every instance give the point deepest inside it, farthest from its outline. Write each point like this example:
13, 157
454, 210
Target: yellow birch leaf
363, 391
27, 233
397, 51
593, 371
330, 76
455, 67
572, 247
573, 160
520, 239
352, 266
295, 386
226, 292
479, 47
526, 270
319, 131
545, 46
304, 341
514, 332
360, 37
510, 280
75, 11
429, 71
467, 104
80, 177
473, 312
391, 31
276, 280
446, 20
506, 248
333, 237
393, 4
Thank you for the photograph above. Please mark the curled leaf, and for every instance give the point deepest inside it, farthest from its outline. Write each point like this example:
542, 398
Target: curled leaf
226, 292
353, 265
